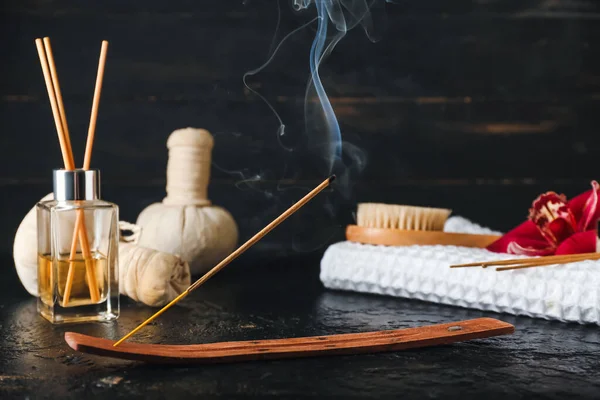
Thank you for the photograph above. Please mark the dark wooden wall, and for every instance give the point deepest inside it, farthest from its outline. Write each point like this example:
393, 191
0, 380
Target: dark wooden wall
473, 105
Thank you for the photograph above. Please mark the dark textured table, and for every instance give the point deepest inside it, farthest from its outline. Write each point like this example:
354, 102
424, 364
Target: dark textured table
283, 298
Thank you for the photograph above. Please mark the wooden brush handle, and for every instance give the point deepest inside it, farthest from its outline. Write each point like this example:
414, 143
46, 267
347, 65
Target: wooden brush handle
399, 237
353, 343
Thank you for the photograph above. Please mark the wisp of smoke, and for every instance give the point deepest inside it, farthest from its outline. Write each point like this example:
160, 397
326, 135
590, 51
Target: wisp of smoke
273, 53
322, 135
320, 120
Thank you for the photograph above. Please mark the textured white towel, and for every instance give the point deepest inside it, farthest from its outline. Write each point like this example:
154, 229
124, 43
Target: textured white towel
568, 292
462, 225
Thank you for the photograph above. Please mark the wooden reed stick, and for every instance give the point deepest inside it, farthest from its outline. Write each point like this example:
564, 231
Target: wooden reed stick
59, 99
534, 260
80, 233
80, 221
262, 233
95, 106
62, 140
45, 53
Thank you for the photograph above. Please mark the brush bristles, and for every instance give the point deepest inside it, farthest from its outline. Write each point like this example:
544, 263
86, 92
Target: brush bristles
376, 215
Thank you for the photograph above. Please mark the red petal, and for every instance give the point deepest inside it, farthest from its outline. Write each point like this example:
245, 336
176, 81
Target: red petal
580, 242
557, 230
577, 205
588, 217
515, 248
527, 234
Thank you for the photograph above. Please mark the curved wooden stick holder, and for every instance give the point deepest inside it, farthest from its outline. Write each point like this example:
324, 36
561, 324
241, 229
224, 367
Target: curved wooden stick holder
399, 237
353, 343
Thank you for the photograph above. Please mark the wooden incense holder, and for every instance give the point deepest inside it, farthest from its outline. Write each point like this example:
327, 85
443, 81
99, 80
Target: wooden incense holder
344, 344
399, 237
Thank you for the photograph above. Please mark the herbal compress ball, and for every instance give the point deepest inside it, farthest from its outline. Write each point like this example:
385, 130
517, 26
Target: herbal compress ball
186, 223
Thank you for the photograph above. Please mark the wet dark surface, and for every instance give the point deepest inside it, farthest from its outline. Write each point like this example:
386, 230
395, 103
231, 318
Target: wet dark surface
253, 300
477, 106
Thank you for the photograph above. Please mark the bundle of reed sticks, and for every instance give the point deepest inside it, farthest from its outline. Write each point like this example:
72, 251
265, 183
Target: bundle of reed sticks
521, 263
60, 120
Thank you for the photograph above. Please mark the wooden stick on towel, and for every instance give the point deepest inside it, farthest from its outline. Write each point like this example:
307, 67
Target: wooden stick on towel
520, 263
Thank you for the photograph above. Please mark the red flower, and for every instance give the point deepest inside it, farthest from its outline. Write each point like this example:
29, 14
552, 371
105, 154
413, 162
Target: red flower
553, 217
555, 226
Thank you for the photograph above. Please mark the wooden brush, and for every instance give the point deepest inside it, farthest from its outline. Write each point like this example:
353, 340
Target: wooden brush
400, 225
391, 216
520, 263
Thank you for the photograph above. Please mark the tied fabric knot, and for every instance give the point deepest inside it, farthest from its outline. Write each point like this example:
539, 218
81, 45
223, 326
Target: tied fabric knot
555, 226
135, 230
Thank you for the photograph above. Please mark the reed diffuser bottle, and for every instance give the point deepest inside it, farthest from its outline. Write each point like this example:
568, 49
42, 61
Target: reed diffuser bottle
77, 251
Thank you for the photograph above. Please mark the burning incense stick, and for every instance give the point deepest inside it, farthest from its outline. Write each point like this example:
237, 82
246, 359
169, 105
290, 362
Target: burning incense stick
234, 255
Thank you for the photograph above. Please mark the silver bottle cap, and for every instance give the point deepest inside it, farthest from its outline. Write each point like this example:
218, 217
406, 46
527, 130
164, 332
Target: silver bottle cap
77, 184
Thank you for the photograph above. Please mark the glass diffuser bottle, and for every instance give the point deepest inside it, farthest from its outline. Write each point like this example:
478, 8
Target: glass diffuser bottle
77, 251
